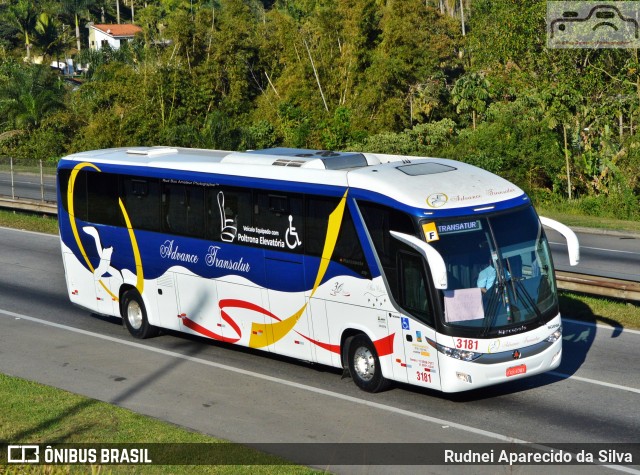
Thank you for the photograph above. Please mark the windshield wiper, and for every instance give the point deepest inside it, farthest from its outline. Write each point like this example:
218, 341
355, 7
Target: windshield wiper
492, 306
526, 297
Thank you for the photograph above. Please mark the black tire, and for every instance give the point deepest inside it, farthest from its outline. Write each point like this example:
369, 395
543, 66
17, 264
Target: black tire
364, 365
134, 315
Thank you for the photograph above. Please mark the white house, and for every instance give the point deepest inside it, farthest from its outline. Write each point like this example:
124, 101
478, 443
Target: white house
111, 35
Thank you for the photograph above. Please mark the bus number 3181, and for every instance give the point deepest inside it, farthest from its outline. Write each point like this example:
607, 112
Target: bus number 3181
466, 344
423, 376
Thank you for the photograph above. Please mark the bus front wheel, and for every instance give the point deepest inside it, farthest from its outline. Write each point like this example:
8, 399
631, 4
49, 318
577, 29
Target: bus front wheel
364, 365
134, 315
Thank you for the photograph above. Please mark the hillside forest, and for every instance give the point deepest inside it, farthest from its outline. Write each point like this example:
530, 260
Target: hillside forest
471, 80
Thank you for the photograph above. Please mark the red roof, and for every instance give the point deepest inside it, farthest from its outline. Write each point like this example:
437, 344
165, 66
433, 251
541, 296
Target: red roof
119, 30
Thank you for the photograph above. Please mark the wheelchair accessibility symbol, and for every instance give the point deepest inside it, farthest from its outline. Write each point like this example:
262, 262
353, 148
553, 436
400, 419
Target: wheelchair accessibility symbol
405, 323
291, 235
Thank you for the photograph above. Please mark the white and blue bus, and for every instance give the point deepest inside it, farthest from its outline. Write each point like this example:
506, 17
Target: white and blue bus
424, 271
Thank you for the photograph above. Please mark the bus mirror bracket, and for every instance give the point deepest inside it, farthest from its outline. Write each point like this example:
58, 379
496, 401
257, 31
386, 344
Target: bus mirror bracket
433, 257
572, 240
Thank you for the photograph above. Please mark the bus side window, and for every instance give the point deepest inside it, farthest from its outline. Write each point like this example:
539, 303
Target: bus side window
413, 295
183, 209
227, 210
281, 216
102, 197
318, 211
142, 200
80, 198
348, 249
195, 211
174, 206
212, 215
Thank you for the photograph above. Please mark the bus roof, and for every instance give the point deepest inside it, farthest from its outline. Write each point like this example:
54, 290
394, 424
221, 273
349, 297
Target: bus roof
420, 182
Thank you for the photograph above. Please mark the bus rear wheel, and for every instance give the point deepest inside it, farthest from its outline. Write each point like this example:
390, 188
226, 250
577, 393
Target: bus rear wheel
364, 365
134, 315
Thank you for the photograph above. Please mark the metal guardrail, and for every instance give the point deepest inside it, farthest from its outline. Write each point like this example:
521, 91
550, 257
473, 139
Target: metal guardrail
597, 285
23, 204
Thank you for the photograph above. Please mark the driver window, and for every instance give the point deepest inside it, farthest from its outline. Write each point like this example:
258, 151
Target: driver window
413, 287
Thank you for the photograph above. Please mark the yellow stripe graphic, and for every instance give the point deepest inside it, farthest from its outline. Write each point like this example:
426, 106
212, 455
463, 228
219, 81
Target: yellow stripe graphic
135, 248
74, 229
72, 215
113, 296
264, 334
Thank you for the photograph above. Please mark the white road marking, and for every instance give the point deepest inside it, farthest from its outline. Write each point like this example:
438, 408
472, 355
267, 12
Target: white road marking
56, 236
383, 407
493, 435
597, 248
600, 325
594, 381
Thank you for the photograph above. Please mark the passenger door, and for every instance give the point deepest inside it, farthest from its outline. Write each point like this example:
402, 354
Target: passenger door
417, 323
286, 305
167, 301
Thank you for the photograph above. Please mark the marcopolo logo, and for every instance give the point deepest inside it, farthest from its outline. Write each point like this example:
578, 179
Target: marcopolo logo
586, 24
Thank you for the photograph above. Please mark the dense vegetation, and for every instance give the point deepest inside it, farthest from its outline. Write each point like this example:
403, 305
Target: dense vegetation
471, 80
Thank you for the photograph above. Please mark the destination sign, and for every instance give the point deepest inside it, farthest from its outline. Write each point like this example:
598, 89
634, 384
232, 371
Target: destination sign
459, 227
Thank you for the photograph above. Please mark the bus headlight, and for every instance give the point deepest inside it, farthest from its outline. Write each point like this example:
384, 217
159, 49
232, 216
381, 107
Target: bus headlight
555, 336
463, 355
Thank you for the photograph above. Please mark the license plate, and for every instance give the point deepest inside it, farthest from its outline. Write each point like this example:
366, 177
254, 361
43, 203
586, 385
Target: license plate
514, 370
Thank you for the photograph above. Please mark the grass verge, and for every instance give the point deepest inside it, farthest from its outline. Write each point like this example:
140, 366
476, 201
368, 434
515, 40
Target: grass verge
599, 310
577, 220
38, 414
29, 221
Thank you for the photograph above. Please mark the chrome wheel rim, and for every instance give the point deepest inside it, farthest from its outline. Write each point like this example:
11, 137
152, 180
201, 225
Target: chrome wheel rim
364, 363
134, 314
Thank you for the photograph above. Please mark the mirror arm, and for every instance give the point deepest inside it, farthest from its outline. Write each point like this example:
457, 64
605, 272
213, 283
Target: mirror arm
433, 257
572, 240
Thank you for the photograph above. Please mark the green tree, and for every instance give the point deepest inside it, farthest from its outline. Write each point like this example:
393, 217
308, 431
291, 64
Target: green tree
558, 106
48, 37
28, 93
512, 142
23, 15
416, 43
471, 94
77, 8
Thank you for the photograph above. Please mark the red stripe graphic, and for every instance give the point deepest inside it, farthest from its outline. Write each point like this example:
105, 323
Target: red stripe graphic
326, 346
204, 331
384, 346
234, 303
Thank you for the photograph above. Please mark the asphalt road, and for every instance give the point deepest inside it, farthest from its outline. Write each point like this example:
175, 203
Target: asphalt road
602, 253
248, 396
28, 186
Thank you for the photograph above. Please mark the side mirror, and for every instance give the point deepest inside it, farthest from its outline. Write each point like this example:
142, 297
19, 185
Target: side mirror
572, 240
433, 257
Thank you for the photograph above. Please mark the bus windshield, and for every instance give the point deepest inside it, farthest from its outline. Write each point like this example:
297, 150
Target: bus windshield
499, 270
